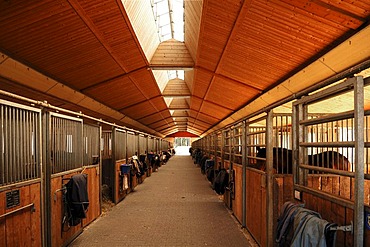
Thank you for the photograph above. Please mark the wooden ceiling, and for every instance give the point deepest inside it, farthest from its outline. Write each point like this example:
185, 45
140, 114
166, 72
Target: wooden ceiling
96, 57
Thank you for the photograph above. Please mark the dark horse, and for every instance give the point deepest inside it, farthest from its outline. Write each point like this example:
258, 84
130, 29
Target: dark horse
330, 159
283, 160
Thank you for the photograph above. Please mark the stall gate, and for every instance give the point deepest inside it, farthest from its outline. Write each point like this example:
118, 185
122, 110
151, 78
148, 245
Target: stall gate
269, 179
333, 157
114, 151
72, 148
20, 172
143, 144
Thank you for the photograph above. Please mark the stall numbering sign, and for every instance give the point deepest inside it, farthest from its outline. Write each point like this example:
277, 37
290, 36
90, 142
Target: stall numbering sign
12, 199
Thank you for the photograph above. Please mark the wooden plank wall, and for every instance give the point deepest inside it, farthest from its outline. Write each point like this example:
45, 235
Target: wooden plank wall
119, 194
24, 227
332, 212
283, 192
60, 238
94, 194
237, 205
256, 205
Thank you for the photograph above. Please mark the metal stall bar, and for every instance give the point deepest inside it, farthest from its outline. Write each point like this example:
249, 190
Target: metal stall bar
244, 175
300, 124
66, 143
270, 184
18, 138
359, 159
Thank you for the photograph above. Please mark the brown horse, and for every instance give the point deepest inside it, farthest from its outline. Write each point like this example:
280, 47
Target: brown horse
283, 160
330, 159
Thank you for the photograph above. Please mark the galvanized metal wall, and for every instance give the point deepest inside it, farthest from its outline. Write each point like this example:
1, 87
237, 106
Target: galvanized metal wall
91, 143
66, 143
19, 143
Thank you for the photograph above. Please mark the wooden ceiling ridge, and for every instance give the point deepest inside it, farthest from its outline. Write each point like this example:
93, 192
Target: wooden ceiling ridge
90, 24
240, 17
122, 76
214, 74
83, 15
338, 10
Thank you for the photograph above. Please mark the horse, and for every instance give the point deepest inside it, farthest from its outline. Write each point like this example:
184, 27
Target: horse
283, 160
330, 159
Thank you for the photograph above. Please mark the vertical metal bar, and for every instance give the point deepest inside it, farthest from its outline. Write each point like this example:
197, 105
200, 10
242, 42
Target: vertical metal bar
12, 165
269, 174
65, 130
367, 140
244, 175
33, 145
301, 150
27, 137
46, 177
359, 159
6, 145
37, 144
57, 143
114, 158
2, 153
17, 144
22, 145
100, 170
295, 143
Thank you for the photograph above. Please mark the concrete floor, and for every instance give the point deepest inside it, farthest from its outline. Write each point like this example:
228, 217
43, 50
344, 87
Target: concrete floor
174, 207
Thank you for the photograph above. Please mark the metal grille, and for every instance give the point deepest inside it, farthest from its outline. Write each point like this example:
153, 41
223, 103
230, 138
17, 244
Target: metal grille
106, 144
120, 144
227, 144
237, 144
282, 143
66, 143
91, 144
327, 153
151, 146
130, 144
142, 144
256, 138
19, 143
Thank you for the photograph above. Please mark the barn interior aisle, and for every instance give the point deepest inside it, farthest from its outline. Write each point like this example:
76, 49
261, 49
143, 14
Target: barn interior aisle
174, 207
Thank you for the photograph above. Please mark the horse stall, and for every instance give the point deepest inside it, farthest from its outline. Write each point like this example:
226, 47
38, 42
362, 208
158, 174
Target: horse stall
237, 170
333, 176
20, 175
143, 150
132, 147
116, 184
69, 149
269, 179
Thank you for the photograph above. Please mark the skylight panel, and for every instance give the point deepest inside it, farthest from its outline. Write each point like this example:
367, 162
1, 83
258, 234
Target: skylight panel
169, 17
172, 74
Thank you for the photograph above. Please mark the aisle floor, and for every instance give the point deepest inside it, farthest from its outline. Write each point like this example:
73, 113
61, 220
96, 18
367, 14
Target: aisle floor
173, 207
